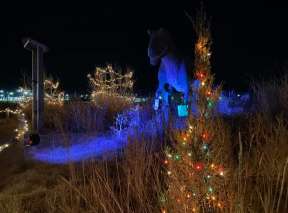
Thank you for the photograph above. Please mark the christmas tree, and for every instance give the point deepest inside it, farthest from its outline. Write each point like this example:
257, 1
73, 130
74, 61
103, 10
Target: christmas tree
194, 177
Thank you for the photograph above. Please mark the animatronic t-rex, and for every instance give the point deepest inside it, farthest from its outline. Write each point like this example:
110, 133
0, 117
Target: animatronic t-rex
174, 79
172, 75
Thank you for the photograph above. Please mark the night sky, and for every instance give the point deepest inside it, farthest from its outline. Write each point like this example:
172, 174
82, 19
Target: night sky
249, 39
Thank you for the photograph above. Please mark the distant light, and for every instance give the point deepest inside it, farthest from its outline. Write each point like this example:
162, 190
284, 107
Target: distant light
238, 95
1, 91
4, 146
11, 93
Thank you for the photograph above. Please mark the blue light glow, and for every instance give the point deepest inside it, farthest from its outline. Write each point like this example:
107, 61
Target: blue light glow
80, 149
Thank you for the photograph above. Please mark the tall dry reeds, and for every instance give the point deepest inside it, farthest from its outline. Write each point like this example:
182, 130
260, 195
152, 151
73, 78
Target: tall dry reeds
129, 183
80, 116
252, 147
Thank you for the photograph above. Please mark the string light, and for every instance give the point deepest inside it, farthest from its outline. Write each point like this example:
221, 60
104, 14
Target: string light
52, 94
23, 123
177, 157
4, 146
106, 81
210, 104
196, 177
210, 189
221, 170
205, 147
199, 166
209, 93
206, 136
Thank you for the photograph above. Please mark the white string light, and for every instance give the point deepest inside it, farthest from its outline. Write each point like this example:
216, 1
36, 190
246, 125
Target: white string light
52, 93
109, 82
23, 126
4, 146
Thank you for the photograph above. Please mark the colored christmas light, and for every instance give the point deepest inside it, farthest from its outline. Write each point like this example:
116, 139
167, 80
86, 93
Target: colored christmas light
209, 93
194, 184
210, 190
205, 147
200, 75
210, 104
177, 157
206, 136
199, 166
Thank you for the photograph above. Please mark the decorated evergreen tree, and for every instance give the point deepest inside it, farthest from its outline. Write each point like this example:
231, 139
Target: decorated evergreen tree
194, 177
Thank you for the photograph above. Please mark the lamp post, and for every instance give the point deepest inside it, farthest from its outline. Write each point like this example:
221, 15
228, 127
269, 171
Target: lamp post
37, 50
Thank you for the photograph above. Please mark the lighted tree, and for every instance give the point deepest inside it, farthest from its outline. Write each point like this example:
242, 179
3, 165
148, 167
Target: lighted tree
52, 93
194, 176
108, 81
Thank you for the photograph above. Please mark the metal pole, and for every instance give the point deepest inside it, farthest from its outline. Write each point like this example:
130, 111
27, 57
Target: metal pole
40, 92
37, 50
34, 86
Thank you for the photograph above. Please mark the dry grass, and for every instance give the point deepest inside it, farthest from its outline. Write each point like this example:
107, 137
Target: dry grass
7, 127
7, 123
126, 184
82, 117
253, 148
271, 97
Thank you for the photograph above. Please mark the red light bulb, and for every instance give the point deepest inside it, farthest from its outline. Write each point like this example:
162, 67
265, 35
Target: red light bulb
199, 166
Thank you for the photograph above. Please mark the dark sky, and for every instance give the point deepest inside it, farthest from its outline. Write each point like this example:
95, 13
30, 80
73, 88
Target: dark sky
250, 39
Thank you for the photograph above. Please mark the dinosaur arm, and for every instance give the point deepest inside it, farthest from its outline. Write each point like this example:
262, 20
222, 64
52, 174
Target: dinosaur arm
162, 80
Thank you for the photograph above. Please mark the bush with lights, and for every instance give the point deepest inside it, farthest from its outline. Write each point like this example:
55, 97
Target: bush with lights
52, 93
110, 82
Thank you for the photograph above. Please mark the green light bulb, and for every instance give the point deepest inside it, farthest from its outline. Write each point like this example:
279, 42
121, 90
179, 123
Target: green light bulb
210, 104
177, 157
210, 189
